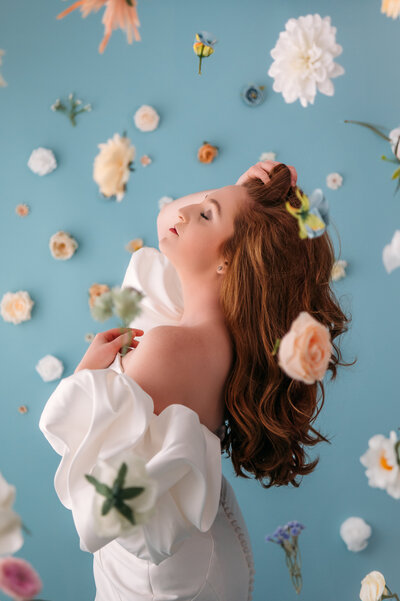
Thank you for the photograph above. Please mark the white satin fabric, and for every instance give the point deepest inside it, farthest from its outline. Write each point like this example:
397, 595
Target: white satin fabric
196, 546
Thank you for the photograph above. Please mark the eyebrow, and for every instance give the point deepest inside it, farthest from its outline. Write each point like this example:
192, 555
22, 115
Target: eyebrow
214, 201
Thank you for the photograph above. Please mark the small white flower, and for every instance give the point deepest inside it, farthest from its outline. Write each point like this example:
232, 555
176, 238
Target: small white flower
70, 96
164, 200
381, 462
267, 156
114, 523
42, 161
391, 253
334, 181
146, 118
373, 586
88, 107
49, 368
338, 270
304, 59
89, 336
16, 306
78, 101
355, 532
62, 245
394, 135
11, 539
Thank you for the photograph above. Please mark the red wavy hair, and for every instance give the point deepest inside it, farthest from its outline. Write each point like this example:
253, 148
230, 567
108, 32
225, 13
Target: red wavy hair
272, 275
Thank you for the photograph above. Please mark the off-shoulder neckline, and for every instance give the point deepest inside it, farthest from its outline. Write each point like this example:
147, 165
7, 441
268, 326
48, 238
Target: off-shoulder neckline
121, 371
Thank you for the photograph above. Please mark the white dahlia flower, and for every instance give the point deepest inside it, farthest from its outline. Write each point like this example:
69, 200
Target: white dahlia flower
304, 56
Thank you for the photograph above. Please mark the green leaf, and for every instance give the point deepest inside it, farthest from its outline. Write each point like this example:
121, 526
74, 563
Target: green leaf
108, 503
101, 488
126, 511
120, 479
132, 492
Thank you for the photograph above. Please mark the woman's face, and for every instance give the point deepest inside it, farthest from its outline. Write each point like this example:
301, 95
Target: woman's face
202, 227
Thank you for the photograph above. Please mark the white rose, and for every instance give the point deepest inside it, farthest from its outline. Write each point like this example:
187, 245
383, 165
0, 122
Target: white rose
114, 523
334, 181
62, 245
16, 306
146, 118
338, 270
373, 586
42, 161
111, 167
11, 539
394, 136
49, 368
355, 533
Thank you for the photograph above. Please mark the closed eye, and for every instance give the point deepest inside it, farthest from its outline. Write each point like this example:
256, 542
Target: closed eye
203, 215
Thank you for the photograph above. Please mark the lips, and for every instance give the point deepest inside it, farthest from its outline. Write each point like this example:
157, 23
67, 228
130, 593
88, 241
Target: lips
172, 229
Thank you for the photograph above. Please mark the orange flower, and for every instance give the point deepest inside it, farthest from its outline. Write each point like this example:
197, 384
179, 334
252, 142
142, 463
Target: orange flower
118, 13
22, 210
145, 160
207, 153
96, 290
391, 8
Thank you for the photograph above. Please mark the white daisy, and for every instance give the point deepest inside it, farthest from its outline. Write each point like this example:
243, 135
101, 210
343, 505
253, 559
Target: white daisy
334, 181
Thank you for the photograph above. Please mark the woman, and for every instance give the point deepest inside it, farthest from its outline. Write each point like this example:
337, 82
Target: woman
202, 380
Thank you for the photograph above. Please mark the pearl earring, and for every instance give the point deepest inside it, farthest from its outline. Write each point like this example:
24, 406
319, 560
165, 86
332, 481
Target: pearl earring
219, 268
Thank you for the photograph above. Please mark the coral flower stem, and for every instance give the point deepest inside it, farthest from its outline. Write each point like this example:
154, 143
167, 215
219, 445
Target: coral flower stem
70, 9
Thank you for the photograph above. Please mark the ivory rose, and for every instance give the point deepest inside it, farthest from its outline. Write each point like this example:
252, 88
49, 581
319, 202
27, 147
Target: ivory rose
305, 350
16, 306
62, 245
112, 166
373, 586
146, 118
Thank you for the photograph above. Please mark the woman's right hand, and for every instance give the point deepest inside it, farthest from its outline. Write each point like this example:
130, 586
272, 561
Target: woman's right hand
262, 169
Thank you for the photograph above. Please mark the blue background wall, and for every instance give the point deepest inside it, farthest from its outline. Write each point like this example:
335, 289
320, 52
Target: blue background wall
46, 59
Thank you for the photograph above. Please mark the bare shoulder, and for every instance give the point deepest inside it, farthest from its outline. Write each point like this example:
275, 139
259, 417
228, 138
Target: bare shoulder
165, 363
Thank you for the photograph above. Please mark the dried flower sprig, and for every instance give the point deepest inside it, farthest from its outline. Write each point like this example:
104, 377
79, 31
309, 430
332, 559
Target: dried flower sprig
287, 537
72, 110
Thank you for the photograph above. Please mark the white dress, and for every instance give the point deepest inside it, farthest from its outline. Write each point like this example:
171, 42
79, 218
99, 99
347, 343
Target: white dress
196, 546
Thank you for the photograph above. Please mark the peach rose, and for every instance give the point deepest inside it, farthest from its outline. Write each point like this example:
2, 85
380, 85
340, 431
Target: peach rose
96, 290
62, 245
207, 153
16, 306
305, 350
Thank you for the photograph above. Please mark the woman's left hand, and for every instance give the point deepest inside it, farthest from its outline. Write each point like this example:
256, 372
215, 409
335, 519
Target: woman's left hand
105, 346
262, 169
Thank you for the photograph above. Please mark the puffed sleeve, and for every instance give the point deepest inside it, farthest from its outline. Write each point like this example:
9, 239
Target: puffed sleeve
96, 415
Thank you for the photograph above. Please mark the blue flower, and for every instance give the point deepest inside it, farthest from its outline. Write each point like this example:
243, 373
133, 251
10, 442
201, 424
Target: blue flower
252, 95
320, 208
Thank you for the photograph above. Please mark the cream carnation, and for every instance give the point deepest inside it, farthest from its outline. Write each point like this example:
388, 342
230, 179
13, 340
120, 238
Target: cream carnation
62, 245
16, 306
267, 156
11, 539
112, 166
305, 350
164, 200
355, 532
49, 368
146, 118
304, 57
42, 161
